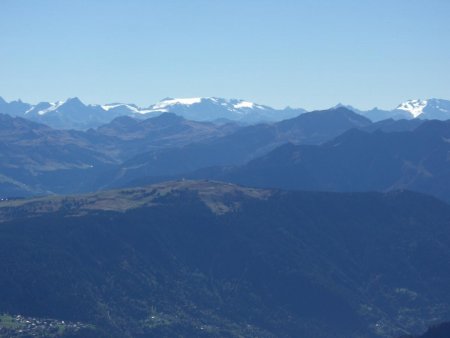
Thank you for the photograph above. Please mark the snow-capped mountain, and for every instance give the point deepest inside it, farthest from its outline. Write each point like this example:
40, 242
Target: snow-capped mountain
69, 114
413, 107
431, 109
74, 114
427, 109
216, 109
124, 109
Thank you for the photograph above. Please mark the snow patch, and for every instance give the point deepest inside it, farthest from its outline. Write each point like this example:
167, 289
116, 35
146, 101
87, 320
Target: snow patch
110, 106
244, 104
171, 102
131, 108
53, 106
415, 107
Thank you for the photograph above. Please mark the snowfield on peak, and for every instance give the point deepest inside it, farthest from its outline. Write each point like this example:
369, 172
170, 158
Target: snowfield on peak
415, 107
232, 103
170, 102
219, 109
244, 104
53, 106
130, 107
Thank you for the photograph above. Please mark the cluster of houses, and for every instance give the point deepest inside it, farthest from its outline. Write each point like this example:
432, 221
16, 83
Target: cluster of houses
22, 326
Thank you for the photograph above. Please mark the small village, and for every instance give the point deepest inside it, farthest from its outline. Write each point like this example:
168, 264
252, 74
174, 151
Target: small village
22, 326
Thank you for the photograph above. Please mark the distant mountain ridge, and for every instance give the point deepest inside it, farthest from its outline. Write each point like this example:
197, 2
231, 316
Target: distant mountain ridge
431, 109
74, 114
66, 114
213, 108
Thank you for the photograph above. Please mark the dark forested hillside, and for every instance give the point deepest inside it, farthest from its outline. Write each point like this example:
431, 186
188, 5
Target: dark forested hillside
213, 259
436, 331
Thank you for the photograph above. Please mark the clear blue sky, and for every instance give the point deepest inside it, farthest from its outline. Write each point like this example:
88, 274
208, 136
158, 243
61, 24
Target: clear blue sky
311, 54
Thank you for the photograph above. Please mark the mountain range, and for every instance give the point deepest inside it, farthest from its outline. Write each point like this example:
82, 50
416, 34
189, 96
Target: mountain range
357, 160
431, 109
74, 114
208, 259
241, 146
36, 159
335, 150
313, 226
41, 160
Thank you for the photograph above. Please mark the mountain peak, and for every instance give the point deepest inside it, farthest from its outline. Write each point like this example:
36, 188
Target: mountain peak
72, 101
342, 109
414, 107
169, 117
347, 106
44, 108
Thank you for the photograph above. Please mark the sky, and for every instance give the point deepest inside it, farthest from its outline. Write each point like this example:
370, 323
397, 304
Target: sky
311, 54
